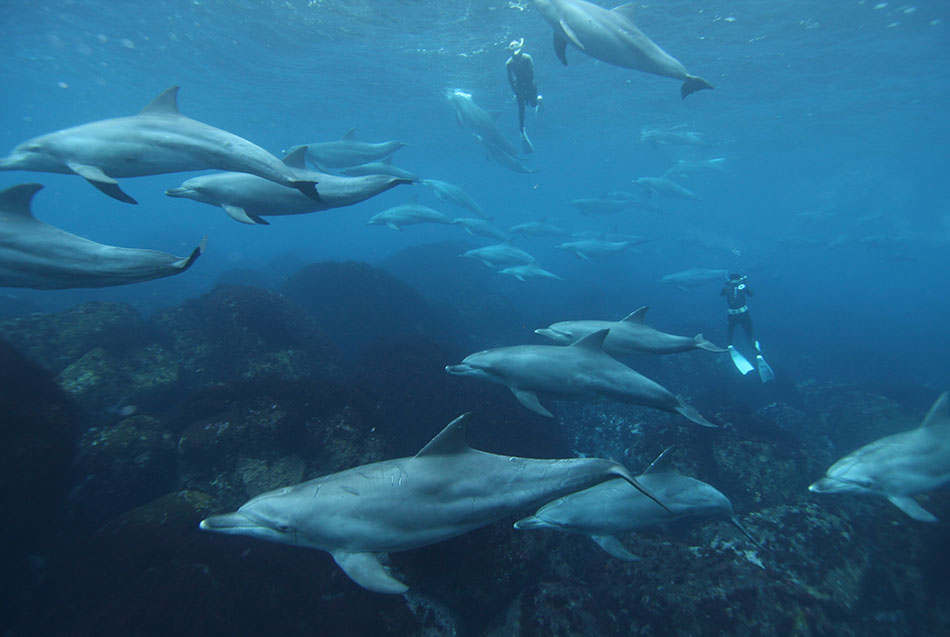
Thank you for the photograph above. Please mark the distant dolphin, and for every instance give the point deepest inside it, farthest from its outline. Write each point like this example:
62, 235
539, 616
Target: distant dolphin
628, 336
592, 248
613, 237
471, 116
384, 167
537, 229
529, 271
450, 193
665, 186
611, 36
158, 140
898, 466
247, 198
36, 255
445, 490
582, 371
672, 137
684, 168
611, 508
694, 277
407, 214
501, 255
347, 151
480, 228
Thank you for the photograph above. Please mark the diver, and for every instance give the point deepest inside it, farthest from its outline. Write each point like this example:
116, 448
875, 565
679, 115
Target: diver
520, 69
737, 313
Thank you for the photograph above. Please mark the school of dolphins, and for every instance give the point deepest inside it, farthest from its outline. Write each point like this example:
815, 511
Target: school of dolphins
447, 488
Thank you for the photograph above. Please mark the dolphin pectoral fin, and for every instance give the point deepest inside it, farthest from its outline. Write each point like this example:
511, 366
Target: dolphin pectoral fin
560, 48
690, 412
910, 506
613, 546
569, 33
309, 188
530, 400
100, 180
693, 83
238, 214
393, 226
366, 570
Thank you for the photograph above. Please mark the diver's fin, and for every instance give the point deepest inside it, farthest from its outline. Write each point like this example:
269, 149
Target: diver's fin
613, 546
692, 84
740, 361
765, 372
366, 570
530, 400
100, 180
911, 507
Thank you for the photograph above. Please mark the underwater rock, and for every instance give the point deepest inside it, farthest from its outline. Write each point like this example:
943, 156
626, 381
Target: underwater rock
243, 333
120, 467
358, 304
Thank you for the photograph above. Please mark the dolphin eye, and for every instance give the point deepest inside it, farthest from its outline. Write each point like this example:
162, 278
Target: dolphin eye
284, 528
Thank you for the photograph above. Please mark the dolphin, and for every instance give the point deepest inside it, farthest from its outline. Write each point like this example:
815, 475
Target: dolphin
471, 116
480, 227
628, 336
500, 255
347, 151
614, 237
665, 186
898, 466
158, 140
579, 371
246, 198
612, 37
445, 490
511, 162
537, 229
529, 271
450, 193
407, 214
36, 255
610, 508
684, 168
600, 205
589, 248
694, 277
384, 167
659, 137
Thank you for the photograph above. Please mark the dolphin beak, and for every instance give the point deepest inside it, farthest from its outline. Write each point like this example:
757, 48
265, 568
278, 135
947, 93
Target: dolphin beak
230, 523
177, 192
459, 370
822, 486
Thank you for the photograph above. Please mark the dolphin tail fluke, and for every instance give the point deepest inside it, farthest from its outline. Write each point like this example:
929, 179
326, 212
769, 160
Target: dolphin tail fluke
532, 522
308, 188
690, 412
197, 252
693, 83
613, 546
702, 343
366, 570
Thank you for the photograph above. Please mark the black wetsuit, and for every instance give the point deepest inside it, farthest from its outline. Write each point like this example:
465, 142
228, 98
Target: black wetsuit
738, 312
521, 78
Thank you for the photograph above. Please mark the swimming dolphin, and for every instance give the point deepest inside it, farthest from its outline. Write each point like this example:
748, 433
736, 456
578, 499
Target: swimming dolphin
694, 277
471, 116
611, 36
450, 193
407, 214
665, 186
247, 198
445, 490
529, 271
36, 255
610, 508
672, 137
502, 158
500, 255
537, 229
580, 371
480, 227
684, 168
898, 466
628, 336
384, 167
613, 237
158, 140
591, 248
347, 151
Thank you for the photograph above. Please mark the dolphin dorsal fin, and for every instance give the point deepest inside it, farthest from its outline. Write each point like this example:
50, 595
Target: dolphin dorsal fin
939, 414
165, 104
628, 10
663, 462
296, 157
349, 135
637, 316
451, 440
15, 200
593, 341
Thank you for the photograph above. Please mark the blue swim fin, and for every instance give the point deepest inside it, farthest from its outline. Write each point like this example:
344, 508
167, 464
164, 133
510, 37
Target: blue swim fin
740, 361
765, 372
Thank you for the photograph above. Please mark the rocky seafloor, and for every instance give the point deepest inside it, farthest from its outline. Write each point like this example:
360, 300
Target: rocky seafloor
121, 432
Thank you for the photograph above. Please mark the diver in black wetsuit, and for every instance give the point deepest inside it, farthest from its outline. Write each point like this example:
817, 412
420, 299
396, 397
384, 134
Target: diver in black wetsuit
520, 69
736, 290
